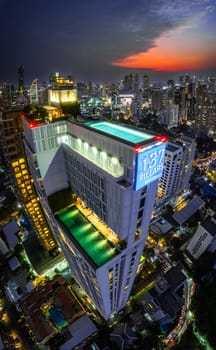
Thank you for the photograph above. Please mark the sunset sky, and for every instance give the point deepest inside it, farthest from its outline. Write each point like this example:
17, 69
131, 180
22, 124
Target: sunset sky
104, 40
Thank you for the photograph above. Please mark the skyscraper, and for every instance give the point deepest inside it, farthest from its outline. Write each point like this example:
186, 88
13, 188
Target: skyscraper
34, 92
112, 172
21, 78
179, 157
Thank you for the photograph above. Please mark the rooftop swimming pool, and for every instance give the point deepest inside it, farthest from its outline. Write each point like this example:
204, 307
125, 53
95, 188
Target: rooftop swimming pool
57, 317
95, 245
122, 132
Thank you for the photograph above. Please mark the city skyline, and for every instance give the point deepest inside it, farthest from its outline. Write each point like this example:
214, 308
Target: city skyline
103, 42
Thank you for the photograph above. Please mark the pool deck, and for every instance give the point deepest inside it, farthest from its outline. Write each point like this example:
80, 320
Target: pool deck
97, 222
121, 132
98, 242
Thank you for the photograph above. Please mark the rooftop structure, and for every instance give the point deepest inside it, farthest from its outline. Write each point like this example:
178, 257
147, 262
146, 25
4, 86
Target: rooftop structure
10, 232
203, 237
189, 210
163, 302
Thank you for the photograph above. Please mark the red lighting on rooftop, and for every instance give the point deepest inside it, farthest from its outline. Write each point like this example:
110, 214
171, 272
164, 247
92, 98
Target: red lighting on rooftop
162, 138
22, 116
33, 124
138, 148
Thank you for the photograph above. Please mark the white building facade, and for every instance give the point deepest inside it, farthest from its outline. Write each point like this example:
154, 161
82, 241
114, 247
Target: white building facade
113, 173
175, 179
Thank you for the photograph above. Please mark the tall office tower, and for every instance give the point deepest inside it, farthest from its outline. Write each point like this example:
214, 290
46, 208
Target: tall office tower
135, 86
181, 101
128, 82
170, 117
212, 84
202, 115
21, 79
181, 80
34, 99
190, 105
170, 91
178, 95
187, 79
212, 116
191, 89
112, 172
146, 85
156, 98
131, 82
177, 169
12, 140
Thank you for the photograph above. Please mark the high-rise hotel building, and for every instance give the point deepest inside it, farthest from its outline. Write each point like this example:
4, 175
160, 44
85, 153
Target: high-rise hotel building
112, 172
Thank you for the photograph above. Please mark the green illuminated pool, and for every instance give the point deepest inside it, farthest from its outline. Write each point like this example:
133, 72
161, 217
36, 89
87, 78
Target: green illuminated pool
95, 245
122, 132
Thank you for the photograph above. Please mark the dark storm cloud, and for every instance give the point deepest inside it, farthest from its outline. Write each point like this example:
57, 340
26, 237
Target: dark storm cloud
83, 37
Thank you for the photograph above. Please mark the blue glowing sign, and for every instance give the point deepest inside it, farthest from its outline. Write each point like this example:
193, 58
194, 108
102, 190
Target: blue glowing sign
149, 165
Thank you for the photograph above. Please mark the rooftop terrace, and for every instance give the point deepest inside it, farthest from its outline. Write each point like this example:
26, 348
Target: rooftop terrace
94, 244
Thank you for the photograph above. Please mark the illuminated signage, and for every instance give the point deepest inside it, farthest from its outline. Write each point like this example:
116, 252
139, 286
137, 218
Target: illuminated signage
149, 165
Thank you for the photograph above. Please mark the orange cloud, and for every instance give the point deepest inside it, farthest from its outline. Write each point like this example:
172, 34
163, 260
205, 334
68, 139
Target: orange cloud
178, 51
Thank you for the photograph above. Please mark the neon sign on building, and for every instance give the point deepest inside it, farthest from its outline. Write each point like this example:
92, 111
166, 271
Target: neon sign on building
149, 164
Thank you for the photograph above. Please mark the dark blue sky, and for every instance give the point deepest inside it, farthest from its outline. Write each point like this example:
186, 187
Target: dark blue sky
86, 38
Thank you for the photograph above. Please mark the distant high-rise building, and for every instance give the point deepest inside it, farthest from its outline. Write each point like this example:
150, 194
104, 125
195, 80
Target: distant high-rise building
177, 169
34, 92
156, 98
128, 82
170, 116
136, 84
212, 84
169, 180
212, 117
131, 82
146, 88
189, 147
202, 115
112, 173
170, 91
186, 79
61, 91
21, 78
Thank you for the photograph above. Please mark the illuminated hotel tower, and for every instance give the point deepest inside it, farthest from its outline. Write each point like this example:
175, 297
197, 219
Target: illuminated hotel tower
112, 172
61, 90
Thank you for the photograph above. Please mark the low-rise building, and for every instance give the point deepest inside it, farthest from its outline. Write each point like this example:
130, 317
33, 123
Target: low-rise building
163, 302
50, 308
202, 238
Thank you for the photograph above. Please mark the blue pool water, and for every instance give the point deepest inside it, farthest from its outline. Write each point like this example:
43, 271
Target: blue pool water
57, 317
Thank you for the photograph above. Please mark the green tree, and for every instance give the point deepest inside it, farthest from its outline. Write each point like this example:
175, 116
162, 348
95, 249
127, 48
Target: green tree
35, 112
